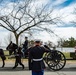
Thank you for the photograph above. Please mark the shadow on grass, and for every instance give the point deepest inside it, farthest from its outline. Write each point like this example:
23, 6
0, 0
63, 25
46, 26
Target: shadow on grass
64, 69
16, 69
9, 69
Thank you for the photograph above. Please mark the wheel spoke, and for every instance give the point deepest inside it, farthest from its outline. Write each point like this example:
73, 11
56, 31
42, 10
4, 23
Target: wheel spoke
56, 63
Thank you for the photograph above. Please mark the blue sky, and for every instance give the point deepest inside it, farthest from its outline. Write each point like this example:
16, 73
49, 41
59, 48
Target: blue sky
62, 3
64, 8
66, 3
9, 0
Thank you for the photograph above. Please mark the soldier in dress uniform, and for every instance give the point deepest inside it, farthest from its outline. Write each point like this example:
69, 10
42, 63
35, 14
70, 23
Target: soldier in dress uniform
25, 47
18, 58
13, 48
36, 63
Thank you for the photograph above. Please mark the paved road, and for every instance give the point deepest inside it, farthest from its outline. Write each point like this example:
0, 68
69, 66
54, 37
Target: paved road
69, 69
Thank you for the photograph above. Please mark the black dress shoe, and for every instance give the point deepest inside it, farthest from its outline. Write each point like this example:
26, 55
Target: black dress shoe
13, 67
22, 67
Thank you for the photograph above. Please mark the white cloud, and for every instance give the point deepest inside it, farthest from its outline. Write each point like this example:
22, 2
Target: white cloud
65, 13
66, 32
62, 33
3, 35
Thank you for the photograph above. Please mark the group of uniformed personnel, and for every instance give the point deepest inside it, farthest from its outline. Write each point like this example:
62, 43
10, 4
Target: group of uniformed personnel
35, 54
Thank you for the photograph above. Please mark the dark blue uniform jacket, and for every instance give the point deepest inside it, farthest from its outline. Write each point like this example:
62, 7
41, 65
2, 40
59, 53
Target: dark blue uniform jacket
36, 52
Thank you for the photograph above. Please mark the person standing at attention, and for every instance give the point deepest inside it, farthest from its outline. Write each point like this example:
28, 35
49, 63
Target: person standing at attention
36, 63
25, 46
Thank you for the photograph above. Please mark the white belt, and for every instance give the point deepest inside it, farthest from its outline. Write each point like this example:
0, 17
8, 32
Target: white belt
38, 59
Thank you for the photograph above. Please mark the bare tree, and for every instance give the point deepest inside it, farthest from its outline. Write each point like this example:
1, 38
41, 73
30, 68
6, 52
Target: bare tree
73, 22
28, 15
8, 38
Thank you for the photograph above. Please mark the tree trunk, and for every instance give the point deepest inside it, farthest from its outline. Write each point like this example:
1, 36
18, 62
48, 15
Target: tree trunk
16, 40
16, 37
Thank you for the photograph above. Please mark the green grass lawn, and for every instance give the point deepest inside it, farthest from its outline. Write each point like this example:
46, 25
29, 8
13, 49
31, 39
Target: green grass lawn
67, 55
6, 52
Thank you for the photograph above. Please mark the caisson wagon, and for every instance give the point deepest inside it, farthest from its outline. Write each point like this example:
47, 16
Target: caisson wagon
54, 59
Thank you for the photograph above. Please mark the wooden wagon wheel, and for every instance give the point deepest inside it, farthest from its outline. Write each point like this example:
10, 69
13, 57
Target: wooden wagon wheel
55, 60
